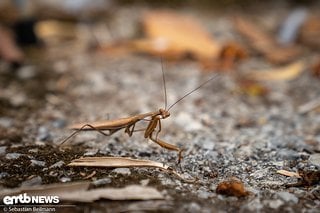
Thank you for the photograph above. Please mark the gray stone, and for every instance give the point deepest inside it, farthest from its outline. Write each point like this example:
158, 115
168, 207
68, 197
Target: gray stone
38, 163
35, 150
144, 182
13, 156
32, 182
65, 179
288, 197
275, 204
91, 152
102, 181
288, 154
253, 206
3, 150
6, 122
58, 164
122, 171
3, 175
43, 134
315, 159
27, 72
194, 207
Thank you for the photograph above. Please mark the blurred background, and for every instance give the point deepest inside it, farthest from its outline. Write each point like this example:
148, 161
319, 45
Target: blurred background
74, 61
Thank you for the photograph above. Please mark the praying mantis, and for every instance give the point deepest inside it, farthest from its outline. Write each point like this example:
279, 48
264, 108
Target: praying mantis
128, 123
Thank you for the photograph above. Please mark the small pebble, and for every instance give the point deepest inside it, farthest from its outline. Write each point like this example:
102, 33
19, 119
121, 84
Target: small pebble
102, 181
91, 152
18, 99
35, 150
58, 164
13, 156
288, 197
2, 150
59, 123
6, 122
288, 154
122, 171
38, 163
27, 72
3, 175
144, 182
315, 159
194, 207
204, 194
43, 134
65, 179
32, 182
275, 204
254, 206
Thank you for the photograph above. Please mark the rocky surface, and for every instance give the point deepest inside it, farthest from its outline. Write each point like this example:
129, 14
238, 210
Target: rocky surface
69, 84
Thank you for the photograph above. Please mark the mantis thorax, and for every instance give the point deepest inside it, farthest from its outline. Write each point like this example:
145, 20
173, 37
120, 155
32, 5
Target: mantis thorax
164, 113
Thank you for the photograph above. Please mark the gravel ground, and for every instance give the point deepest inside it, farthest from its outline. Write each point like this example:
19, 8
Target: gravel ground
225, 133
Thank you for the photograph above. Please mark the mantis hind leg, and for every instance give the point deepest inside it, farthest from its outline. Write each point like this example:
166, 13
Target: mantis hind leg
168, 146
92, 127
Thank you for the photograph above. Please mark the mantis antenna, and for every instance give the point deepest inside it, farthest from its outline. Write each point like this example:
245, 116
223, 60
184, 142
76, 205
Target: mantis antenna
164, 86
198, 87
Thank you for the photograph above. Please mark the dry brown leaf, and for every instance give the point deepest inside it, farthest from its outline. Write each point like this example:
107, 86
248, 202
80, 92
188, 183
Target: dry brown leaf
230, 53
316, 68
232, 187
79, 192
264, 43
252, 88
309, 106
9, 51
180, 33
52, 29
288, 173
287, 72
310, 32
158, 47
258, 39
117, 162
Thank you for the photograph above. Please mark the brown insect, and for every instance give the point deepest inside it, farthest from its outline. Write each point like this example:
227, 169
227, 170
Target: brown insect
128, 124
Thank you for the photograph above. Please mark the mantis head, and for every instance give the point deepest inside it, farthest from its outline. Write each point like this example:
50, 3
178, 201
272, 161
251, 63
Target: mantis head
164, 113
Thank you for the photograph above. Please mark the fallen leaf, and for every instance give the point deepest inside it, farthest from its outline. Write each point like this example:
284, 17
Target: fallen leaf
288, 173
316, 69
264, 43
230, 53
232, 187
158, 47
79, 192
252, 88
180, 33
310, 32
52, 29
287, 72
309, 106
9, 51
118, 162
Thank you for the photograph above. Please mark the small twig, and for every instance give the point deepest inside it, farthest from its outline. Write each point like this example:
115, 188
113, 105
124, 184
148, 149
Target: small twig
311, 105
